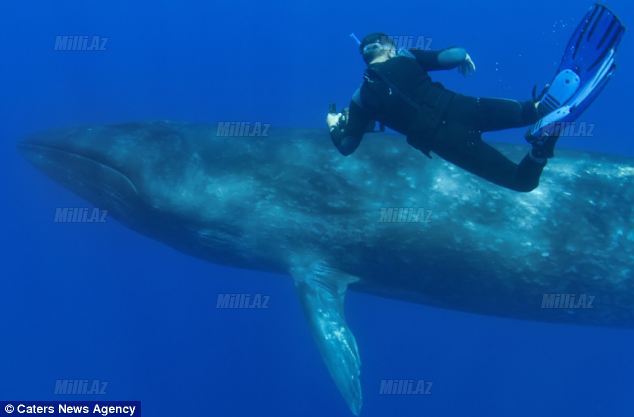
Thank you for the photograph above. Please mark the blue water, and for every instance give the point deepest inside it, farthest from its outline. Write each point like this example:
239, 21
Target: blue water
99, 302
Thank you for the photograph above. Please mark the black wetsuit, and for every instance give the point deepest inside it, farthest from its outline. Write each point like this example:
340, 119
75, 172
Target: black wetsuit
400, 94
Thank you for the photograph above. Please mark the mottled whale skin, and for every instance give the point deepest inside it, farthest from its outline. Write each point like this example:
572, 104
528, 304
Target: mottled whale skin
289, 203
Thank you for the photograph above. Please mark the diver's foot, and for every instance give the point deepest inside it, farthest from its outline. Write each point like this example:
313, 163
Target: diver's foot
559, 92
540, 111
550, 105
543, 146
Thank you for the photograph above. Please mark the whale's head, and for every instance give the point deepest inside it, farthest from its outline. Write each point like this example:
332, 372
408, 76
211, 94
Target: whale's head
84, 160
114, 167
145, 172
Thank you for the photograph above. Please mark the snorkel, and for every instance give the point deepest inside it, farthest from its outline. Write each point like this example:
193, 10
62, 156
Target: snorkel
354, 38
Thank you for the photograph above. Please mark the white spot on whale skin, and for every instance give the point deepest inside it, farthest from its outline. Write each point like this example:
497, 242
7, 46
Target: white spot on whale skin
625, 172
470, 225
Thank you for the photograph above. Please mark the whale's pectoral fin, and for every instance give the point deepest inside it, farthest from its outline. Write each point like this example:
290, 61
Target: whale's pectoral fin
322, 291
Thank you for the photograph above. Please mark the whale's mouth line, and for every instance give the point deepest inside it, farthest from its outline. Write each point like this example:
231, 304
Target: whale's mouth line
43, 149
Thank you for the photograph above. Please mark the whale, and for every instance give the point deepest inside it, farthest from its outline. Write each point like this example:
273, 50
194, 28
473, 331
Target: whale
385, 221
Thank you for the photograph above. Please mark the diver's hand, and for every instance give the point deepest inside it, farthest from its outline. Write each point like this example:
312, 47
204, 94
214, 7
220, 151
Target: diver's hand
333, 120
467, 67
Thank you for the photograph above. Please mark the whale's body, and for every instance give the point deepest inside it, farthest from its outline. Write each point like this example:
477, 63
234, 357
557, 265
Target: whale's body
385, 221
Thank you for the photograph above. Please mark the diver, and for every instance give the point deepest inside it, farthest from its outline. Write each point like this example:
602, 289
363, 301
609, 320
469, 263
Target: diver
398, 92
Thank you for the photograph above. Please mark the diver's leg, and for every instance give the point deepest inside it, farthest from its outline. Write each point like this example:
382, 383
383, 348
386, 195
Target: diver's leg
466, 149
499, 114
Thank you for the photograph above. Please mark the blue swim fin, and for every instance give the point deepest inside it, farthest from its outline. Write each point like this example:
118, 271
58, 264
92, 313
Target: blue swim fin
586, 67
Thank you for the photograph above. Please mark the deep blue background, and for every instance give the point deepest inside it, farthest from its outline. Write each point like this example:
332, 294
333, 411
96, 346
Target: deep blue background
96, 301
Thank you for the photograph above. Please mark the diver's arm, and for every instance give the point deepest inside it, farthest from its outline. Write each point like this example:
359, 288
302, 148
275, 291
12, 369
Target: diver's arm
346, 144
347, 129
451, 58
445, 59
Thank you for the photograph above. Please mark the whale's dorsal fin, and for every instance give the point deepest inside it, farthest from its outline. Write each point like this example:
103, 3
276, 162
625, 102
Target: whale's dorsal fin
322, 291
